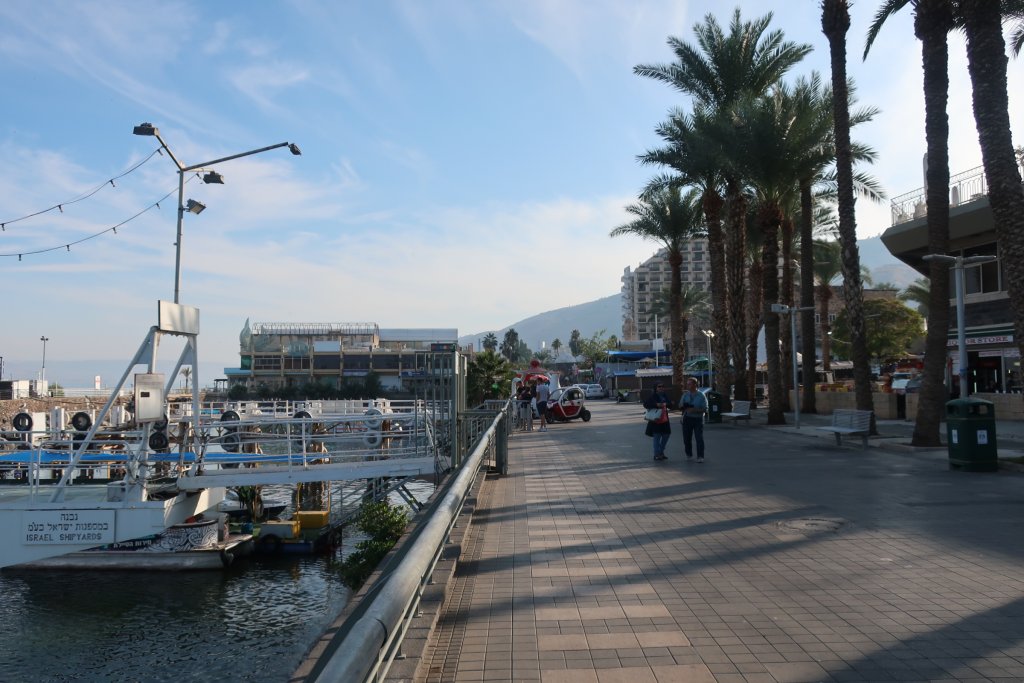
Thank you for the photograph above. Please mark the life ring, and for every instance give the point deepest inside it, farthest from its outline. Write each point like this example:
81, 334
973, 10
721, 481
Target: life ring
22, 422
372, 439
81, 421
302, 415
231, 441
376, 418
229, 416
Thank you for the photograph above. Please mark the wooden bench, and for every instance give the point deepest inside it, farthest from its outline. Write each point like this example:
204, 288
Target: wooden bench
850, 422
740, 411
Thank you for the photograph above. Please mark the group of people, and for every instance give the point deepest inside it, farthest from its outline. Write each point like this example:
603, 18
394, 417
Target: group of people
693, 405
533, 399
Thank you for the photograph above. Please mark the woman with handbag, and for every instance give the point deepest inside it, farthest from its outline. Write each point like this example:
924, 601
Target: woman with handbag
658, 425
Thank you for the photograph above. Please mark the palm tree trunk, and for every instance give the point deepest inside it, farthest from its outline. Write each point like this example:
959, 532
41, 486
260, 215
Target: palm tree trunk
734, 343
808, 404
835, 22
753, 324
769, 219
712, 204
675, 260
933, 20
786, 297
986, 62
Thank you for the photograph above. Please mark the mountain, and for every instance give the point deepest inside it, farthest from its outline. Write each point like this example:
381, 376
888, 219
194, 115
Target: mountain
884, 266
589, 318
606, 313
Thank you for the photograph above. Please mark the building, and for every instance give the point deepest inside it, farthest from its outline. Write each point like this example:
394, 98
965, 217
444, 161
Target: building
642, 288
285, 355
993, 358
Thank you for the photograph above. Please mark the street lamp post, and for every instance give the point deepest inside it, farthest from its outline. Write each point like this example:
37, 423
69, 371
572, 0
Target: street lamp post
791, 311
42, 373
711, 370
958, 263
211, 177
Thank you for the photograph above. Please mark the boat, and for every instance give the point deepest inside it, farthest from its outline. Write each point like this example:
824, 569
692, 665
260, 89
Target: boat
124, 478
193, 545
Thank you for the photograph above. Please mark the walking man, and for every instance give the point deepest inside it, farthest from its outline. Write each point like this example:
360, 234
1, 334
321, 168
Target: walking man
693, 404
543, 394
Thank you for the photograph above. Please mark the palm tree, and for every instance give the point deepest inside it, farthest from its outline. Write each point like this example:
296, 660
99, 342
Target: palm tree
694, 302
555, 345
186, 374
691, 152
835, 22
919, 292
986, 62
673, 219
814, 102
933, 20
719, 71
490, 342
772, 136
828, 265
510, 345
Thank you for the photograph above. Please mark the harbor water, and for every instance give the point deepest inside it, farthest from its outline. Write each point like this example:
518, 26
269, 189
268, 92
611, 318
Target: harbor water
253, 621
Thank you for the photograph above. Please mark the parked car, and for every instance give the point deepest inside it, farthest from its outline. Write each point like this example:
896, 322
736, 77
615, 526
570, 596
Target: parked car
595, 391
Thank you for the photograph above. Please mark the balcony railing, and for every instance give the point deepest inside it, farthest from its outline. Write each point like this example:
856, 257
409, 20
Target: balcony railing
963, 188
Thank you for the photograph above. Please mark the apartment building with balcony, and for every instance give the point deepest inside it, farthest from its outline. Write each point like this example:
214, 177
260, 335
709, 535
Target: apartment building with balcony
643, 286
993, 358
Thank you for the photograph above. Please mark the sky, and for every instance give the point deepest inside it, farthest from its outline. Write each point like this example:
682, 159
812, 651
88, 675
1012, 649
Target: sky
463, 161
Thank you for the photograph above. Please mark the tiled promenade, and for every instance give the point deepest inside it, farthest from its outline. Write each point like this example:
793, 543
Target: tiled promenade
782, 558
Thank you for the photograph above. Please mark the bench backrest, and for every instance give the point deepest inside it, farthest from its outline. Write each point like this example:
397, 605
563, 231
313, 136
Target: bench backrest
741, 407
852, 419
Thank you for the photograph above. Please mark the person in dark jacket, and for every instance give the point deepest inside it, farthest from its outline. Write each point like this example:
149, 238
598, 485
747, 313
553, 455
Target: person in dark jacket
659, 430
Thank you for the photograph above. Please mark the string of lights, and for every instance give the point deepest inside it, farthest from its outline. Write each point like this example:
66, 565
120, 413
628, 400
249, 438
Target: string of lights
60, 207
112, 229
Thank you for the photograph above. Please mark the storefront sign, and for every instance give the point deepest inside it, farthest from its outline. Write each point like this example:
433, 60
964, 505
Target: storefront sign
994, 339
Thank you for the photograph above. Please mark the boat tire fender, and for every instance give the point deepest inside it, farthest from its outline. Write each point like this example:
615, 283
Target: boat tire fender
22, 422
81, 421
229, 416
231, 442
158, 441
270, 543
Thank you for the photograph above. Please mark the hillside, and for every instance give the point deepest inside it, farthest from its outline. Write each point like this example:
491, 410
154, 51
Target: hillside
589, 318
606, 313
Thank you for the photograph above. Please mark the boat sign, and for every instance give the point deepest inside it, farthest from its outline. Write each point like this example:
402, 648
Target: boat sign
44, 527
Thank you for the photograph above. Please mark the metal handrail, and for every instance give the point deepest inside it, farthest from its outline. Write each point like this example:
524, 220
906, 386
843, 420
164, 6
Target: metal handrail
368, 641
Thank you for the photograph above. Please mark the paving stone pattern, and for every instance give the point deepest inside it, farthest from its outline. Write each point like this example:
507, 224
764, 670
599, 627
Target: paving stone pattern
783, 558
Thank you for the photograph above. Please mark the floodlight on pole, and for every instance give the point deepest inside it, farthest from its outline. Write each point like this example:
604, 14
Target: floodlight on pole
958, 263
42, 373
210, 177
711, 371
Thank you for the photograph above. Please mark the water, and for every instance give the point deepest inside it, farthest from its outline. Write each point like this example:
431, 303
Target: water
254, 621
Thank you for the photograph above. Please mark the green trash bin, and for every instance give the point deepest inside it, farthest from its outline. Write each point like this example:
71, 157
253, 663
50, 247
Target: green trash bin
714, 406
971, 435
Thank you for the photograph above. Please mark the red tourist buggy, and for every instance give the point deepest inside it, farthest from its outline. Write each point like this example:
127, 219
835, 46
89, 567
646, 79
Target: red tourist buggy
567, 403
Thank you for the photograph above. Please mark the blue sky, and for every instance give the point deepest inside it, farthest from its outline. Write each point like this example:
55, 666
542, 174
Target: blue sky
463, 161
